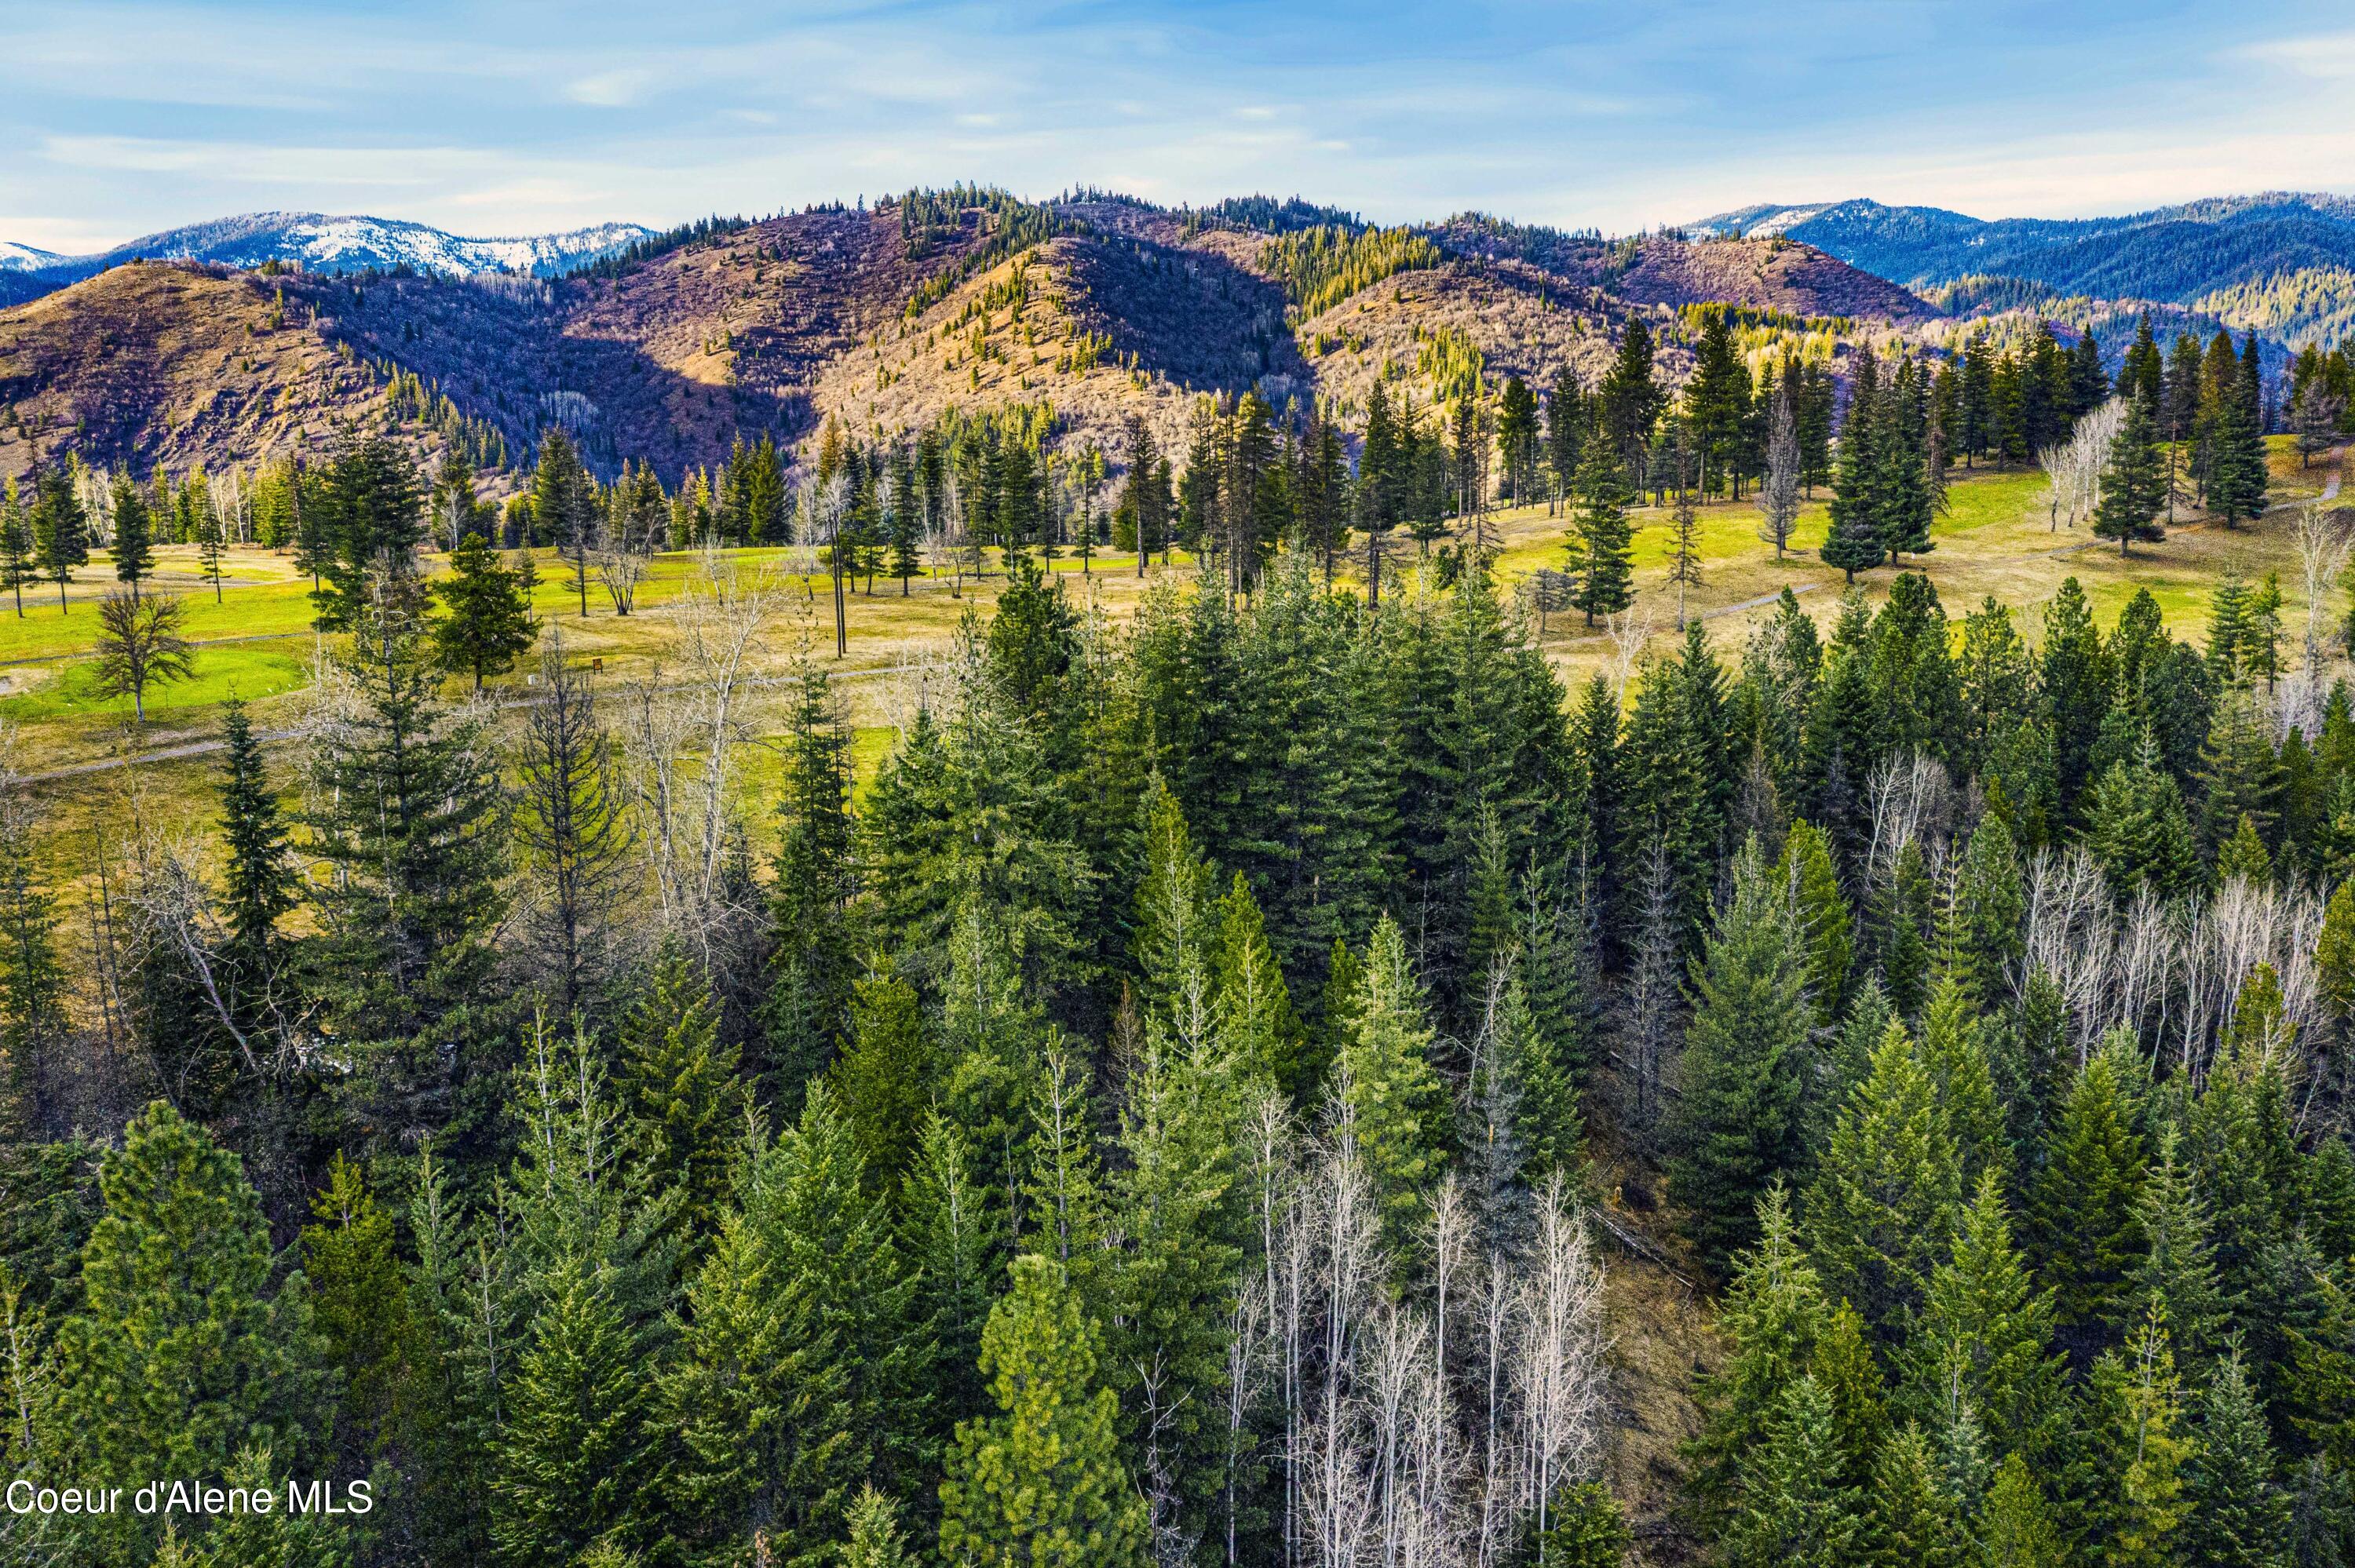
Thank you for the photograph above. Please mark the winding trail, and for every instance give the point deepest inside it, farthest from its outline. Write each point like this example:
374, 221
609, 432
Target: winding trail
206, 747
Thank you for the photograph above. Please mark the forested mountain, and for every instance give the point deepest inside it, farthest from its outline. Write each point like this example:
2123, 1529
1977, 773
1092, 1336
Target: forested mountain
2246, 259
671, 349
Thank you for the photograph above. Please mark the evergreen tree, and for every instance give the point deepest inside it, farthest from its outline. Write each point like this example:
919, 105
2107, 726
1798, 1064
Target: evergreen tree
875, 1538
1887, 1193
678, 1083
1773, 1315
181, 1357
1392, 1103
360, 1306
1909, 1519
1822, 914
886, 1076
2177, 1269
258, 886
2234, 1511
2131, 1502
407, 825
1983, 1334
794, 1382
1793, 1514
487, 623
60, 528
1602, 577
2134, 484
1746, 1058
1040, 1483
810, 952
134, 546
2082, 1207
2018, 1530
951, 1237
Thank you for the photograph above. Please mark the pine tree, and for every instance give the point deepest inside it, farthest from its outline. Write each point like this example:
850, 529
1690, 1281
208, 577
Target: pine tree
1584, 1528
1746, 1058
1600, 553
2082, 1207
1983, 940
1392, 1103
1888, 1190
134, 546
2177, 1269
794, 1382
2233, 1510
575, 1441
407, 826
2018, 1530
1773, 1315
1260, 1032
487, 623
678, 1081
359, 1305
875, 1538
60, 528
32, 987
951, 1237
810, 938
1823, 914
1983, 1334
181, 1357
2134, 486
1793, 1514
258, 884
1854, 541
1176, 1202
2131, 1500
1040, 1483
887, 1075
1909, 1519
1955, 1050
1172, 936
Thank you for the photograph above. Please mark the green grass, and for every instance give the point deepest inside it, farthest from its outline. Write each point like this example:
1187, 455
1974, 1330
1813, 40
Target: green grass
248, 670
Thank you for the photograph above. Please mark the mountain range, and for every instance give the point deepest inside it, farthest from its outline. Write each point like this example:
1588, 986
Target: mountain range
2280, 261
1098, 309
322, 243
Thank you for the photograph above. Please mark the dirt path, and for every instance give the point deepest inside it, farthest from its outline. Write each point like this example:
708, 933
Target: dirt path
205, 747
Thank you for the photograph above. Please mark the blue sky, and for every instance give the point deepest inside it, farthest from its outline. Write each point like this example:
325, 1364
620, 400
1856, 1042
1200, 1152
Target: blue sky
116, 120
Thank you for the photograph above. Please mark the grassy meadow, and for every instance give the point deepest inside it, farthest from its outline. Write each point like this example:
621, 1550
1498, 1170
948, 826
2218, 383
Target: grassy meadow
254, 640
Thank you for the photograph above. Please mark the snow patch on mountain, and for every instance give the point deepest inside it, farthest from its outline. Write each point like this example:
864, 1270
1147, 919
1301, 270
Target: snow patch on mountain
320, 242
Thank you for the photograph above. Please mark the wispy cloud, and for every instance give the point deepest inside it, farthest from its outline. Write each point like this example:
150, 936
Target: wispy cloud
134, 116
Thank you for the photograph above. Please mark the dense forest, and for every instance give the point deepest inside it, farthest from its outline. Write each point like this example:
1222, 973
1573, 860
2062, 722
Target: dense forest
1189, 1106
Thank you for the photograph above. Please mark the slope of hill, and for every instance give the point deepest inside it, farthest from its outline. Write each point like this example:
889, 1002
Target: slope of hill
2191, 254
1099, 307
1764, 274
173, 365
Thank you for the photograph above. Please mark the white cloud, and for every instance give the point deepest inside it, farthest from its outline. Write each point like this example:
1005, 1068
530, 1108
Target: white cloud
610, 89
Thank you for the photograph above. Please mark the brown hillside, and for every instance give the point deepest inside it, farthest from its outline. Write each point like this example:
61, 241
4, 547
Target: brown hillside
154, 363
1412, 328
768, 329
1662, 269
1099, 325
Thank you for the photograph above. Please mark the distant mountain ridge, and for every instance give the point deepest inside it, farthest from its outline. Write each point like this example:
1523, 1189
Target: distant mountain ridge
320, 242
2281, 247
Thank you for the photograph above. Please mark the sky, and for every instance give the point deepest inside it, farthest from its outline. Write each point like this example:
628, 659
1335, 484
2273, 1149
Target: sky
117, 120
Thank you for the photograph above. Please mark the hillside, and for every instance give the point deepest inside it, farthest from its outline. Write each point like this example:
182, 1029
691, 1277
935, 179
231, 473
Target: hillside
173, 365
765, 329
1764, 274
2201, 253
